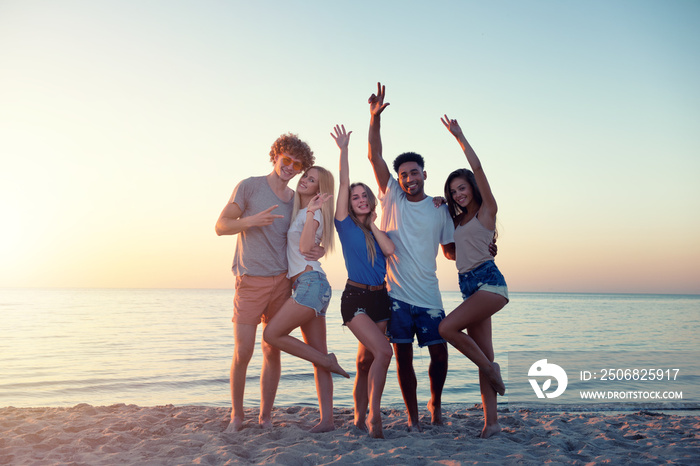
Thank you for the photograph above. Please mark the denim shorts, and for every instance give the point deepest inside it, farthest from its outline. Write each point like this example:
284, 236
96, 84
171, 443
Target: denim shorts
408, 320
311, 289
485, 277
375, 304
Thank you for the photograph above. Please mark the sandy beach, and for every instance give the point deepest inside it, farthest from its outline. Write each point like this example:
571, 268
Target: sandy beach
129, 434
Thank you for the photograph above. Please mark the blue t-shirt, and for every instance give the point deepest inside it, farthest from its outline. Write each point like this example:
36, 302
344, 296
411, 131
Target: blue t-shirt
357, 263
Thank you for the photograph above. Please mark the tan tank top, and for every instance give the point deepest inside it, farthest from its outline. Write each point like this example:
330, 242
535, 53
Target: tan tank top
472, 245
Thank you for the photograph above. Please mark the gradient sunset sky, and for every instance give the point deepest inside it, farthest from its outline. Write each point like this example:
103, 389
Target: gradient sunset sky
125, 125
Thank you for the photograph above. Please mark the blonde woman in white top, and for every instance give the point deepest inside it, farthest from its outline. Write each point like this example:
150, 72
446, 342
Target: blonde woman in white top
473, 209
306, 308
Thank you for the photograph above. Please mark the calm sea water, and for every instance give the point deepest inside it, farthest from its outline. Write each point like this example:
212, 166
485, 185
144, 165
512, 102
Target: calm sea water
154, 347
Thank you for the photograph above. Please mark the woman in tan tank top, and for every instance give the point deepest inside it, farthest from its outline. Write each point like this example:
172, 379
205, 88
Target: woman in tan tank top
473, 209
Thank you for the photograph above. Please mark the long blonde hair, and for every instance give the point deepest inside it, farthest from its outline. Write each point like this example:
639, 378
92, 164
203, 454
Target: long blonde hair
365, 227
326, 184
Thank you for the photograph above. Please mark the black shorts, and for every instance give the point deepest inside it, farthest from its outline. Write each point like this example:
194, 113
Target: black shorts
376, 304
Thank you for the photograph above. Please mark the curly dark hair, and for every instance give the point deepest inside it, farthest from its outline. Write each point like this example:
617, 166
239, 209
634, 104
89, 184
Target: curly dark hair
408, 157
291, 144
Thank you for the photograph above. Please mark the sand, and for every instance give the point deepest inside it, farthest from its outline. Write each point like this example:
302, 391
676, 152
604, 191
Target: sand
129, 434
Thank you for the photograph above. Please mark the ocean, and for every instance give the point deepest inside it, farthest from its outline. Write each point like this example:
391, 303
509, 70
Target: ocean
149, 347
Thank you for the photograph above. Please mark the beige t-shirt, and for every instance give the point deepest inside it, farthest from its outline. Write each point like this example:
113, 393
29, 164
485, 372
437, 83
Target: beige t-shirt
261, 251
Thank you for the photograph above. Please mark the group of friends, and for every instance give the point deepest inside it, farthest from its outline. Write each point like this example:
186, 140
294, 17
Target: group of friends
392, 293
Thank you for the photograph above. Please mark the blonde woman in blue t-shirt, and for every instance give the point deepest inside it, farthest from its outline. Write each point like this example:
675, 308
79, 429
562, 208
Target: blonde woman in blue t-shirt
311, 293
473, 209
365, 305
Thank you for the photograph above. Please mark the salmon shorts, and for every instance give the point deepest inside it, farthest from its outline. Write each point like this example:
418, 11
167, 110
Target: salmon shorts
259, 298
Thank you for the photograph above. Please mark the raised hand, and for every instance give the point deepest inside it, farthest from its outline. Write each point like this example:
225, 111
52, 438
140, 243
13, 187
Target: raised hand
264, 218
376, 101
317, 201
342, 138
452, 126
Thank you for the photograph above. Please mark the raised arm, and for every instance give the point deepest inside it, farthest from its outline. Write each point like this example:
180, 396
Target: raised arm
342, 138
376, 107
231, 223
488, 205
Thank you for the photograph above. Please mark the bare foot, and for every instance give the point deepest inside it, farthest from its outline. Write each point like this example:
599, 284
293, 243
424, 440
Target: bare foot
375, 429
265, 423
361, 425
488, 431
235, 425
435, 413
335, 367
322, 427
496, 380
414, 426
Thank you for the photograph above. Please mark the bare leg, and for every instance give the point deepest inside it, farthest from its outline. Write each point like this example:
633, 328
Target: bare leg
269, 381
407, 382
314, 333
289, 317
481, 333
244, 342
477, 308
437, 373
372, 337
360, 391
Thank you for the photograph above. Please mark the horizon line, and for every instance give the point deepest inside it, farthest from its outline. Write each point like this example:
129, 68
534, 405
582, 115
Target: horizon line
334, 289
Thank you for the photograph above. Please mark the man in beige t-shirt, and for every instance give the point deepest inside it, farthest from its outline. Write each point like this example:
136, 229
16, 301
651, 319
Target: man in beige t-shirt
259, 213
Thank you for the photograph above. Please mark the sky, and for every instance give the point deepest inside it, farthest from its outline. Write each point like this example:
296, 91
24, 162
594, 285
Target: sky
125, 126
